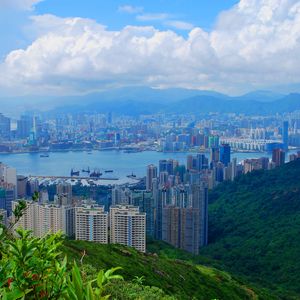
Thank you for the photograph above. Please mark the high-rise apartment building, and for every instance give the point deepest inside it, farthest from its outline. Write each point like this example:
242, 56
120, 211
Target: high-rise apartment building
128, 226
121, 195
91, 224
180, 228
64, 188
278, 157
44, 218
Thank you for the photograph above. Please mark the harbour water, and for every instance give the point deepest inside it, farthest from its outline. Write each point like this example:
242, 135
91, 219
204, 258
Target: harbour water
122, 164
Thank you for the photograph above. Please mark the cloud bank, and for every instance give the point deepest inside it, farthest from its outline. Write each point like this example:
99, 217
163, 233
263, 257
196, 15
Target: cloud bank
256, 44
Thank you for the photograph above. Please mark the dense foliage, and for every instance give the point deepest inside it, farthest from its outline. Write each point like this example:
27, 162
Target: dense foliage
254, 227
179, 279
33, 268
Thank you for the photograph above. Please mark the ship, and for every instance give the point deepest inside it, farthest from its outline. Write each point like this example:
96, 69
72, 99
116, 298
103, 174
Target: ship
108, 171
95, 174
131, 176
74, 173
44, 155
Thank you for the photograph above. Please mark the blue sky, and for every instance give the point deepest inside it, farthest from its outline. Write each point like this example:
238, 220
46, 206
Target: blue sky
63, 47
197, 12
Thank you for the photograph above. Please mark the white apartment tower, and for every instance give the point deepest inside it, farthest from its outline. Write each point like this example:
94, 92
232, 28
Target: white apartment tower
44, 218
91, 224
128, 226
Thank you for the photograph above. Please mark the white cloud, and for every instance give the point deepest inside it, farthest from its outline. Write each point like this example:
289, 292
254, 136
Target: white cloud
130, 9
179, 25
254, 45
153, 17
19, 4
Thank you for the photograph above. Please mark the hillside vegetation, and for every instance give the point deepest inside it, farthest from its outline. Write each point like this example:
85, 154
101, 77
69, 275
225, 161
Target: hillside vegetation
182, 280
254, 227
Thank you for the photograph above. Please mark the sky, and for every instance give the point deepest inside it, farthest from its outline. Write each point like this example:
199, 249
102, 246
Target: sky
67, 47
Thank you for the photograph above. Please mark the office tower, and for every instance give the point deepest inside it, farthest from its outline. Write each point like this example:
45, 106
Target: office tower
22, 186
278, 157
219, 172
7, 196
91, 224
200, 162
44, 218
64, 188
214, 154
121, 195
225, 154
4, 127
128, 227
166, 166
151, 174
285, 135
213, 141
24, 126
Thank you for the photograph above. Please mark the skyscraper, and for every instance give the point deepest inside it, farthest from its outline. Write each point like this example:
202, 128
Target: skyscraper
4, 127
285, 135
151, 174
214, 154
225, 154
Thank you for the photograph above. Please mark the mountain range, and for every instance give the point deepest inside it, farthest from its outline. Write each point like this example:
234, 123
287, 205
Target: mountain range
144, 100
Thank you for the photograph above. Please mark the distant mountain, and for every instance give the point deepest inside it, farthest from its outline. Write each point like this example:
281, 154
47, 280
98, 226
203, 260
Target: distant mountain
254, 227
206, 104
144, 100
260, 96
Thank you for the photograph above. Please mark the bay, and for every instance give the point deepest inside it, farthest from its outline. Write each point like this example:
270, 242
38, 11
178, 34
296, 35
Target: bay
122, 164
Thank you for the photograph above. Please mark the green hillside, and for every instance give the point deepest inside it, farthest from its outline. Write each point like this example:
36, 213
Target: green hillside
180, 279
254, 227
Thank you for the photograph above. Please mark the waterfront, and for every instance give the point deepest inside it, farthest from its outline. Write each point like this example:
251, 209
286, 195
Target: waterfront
123, 164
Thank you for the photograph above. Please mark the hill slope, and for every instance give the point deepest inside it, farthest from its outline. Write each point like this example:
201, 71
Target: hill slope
254, 226
174, 277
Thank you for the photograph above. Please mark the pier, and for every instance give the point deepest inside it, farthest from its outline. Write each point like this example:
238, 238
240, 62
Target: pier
71, 177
